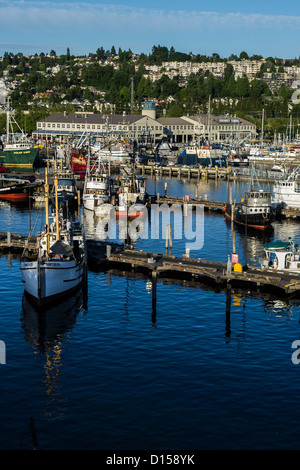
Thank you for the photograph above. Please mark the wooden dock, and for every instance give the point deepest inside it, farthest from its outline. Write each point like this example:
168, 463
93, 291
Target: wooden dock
16, 242
170, 266
218, 206
206, 173
184, 172
209, 205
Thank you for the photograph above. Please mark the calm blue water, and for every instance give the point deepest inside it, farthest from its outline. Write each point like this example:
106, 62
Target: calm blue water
118, 375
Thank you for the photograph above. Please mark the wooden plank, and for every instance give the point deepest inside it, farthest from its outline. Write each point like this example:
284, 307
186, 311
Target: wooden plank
215, 270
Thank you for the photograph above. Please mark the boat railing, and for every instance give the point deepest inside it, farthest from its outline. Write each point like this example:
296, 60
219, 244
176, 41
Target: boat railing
263, 174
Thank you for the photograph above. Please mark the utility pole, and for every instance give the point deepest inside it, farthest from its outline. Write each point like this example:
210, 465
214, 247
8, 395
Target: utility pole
132, 96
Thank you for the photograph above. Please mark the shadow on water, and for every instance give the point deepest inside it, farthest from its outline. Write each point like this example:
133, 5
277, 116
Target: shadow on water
44, 327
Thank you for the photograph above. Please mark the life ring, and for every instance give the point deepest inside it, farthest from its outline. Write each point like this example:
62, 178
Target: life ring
57, 256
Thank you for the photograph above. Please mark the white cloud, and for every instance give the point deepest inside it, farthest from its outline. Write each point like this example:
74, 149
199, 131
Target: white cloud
104, 16
84, 26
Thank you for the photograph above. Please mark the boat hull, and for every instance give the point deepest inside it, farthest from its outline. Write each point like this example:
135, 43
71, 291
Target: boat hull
19, 158
257, 222
49, 281
14, 197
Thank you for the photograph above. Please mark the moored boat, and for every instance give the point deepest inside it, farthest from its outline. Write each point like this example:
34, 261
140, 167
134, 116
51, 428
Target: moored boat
16, 150
282, 256
96, 190
57, 267
66, 189
254, 211
15, 189
286, 192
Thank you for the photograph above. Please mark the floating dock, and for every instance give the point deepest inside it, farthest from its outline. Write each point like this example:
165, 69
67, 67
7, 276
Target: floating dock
209, 205
170, 266
218, 206
222, 274
184, 172
16, 242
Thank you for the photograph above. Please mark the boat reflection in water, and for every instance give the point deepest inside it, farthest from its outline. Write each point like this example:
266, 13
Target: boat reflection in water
46, 332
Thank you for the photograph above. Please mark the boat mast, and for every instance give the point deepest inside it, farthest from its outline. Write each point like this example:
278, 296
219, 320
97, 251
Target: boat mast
7, 119
262, 130
56, 204
47, 211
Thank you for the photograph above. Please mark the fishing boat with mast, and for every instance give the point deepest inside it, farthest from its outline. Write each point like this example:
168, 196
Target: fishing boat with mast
96, 190
132, 195
16, 150
67, 192
286, 191
57, 267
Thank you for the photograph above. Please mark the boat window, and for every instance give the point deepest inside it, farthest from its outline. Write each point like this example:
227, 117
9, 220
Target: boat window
261, 195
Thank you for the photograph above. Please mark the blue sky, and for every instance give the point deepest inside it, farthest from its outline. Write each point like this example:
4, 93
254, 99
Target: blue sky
225, 27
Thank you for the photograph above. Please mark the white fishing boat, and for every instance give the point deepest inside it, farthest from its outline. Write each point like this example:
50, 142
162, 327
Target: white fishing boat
286, 192
57, 267
132, 195
115, 155
282, 256
96, 189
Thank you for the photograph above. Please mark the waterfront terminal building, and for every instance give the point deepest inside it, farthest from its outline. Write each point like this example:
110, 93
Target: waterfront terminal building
59, 127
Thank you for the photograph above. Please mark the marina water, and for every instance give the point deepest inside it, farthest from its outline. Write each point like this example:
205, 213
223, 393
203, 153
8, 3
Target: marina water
121, 373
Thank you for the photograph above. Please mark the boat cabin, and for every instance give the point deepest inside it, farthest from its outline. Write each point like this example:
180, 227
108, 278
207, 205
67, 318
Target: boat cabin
282, 256
258, 198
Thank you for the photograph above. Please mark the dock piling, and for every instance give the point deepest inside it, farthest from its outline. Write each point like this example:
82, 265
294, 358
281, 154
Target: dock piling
228, 306
33, 434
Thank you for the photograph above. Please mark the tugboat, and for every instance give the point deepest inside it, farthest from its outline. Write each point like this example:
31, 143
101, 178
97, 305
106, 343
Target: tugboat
254, 211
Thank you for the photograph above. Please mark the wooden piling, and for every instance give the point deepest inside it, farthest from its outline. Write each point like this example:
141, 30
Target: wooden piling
33, 434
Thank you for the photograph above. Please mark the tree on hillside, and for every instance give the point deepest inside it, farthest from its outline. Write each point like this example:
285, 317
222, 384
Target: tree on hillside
244, 55
242, 88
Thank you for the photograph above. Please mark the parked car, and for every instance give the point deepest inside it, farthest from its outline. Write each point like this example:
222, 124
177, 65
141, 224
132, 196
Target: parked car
3, 169
153, 163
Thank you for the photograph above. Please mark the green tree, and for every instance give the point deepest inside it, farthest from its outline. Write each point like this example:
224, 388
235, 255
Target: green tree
244, 55
242, 88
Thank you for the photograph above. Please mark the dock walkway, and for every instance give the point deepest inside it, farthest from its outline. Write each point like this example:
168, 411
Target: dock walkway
167, 265
16, 242
208, 204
